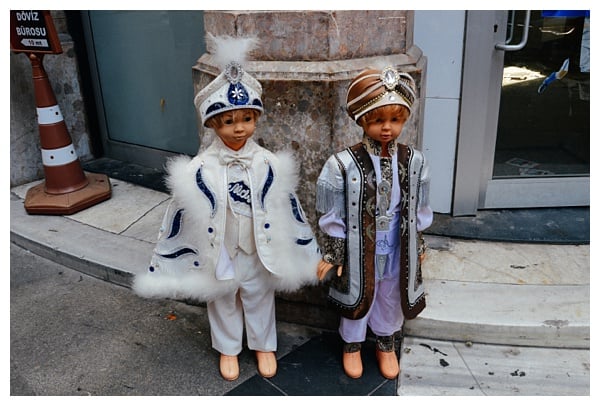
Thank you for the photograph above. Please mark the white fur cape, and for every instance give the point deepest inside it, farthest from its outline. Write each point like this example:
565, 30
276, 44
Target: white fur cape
191, 238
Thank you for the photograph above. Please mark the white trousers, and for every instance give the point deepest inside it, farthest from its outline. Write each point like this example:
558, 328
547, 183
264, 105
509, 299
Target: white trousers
252, 305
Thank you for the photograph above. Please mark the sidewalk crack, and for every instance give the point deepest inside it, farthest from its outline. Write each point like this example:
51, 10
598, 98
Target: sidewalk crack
469, 369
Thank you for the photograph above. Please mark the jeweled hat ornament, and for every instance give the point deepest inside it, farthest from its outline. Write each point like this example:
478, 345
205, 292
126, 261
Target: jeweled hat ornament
374, 88
233, 88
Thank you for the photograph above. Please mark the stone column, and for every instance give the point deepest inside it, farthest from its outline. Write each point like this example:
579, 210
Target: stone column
305, 62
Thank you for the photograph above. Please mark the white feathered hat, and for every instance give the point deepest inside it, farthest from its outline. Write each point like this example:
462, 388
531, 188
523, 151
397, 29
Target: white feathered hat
233, 88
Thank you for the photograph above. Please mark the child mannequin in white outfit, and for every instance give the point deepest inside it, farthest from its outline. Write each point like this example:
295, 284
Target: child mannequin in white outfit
235, 232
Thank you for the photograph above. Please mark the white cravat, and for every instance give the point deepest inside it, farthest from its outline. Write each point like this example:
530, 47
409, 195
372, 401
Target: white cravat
243, 156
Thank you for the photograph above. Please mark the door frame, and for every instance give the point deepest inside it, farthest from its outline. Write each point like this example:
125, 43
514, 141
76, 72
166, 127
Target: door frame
474, 187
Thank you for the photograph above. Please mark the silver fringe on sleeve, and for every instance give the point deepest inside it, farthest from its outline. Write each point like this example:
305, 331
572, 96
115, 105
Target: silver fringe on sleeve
331, 189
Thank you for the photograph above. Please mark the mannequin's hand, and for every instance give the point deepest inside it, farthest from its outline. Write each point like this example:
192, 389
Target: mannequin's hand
324, 267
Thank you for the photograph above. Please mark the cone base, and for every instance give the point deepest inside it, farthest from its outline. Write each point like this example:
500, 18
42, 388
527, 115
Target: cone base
37, 201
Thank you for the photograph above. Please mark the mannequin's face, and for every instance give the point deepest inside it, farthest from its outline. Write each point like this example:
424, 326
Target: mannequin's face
238, 126
384, 126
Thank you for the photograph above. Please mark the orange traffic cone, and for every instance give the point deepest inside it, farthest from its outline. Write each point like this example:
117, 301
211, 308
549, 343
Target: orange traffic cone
66, 189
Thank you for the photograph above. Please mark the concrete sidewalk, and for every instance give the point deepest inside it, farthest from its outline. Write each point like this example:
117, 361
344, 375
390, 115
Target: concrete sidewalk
485, 293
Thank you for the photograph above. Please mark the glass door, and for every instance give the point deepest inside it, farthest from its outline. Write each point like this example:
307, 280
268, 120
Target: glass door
524, 132
544, 119
542, 147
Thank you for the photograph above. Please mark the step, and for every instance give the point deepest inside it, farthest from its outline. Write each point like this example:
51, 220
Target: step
505, 293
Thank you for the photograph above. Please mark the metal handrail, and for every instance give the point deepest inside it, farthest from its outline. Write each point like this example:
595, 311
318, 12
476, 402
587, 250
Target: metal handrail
520, 45
512, 26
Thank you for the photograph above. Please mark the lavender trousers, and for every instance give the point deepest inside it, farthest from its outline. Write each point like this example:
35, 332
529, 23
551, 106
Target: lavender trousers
385, 316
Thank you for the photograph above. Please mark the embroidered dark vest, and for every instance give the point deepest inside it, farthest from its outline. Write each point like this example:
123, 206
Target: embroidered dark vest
353, 293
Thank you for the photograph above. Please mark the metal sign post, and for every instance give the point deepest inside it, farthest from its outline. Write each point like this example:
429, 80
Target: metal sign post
66, 189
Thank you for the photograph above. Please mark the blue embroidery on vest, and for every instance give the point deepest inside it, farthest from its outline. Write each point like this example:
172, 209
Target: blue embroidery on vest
296, 209
301, 241
240, 192
176, 224
179, 253
204, 189
267, 186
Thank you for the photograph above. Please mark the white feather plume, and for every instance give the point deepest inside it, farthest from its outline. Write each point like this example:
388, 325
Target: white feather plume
226, 49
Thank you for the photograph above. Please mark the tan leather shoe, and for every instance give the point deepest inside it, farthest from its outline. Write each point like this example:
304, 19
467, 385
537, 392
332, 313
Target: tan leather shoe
230, 370
267, 364
352, 361
352, 364
388, 364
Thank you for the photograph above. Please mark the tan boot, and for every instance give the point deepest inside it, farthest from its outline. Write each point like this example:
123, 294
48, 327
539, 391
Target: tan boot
386, 357
267, 364
230, 370
352, 361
